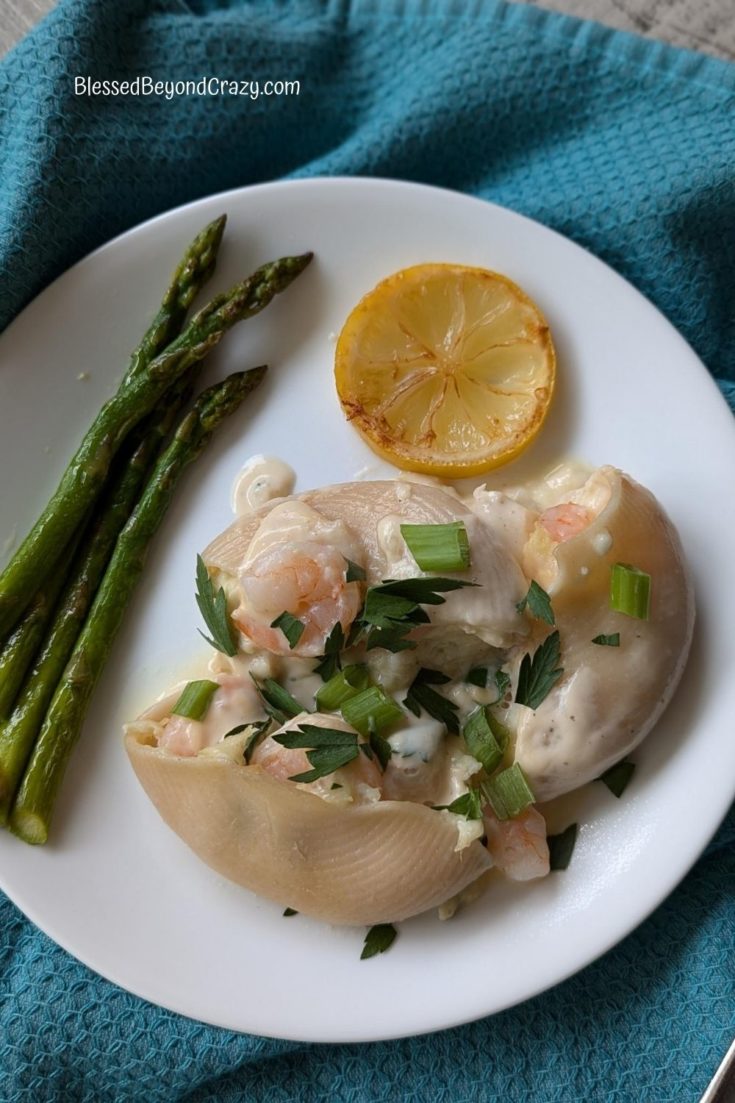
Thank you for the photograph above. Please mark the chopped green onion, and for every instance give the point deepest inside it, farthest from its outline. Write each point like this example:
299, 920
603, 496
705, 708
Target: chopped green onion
195, 698
291, 626
618, 777
371, 710
613, 640
290, 911
485, 737
378, 940
561, 847
630, 591
345, 684
438, 547
508, 792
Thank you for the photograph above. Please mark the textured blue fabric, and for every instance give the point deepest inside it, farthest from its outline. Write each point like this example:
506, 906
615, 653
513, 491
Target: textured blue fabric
624, 145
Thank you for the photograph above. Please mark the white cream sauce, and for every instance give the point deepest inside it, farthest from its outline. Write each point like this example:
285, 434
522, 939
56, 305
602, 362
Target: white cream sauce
262, 479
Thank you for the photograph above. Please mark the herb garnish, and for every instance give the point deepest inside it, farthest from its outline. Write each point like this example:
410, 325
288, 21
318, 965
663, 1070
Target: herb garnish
213, 607
540, 673
195, 699
393, 609
422, 696
485, 738
539, 604
328, 749
613, 640
260, 727
290, 911
468, 805
291, 626
618, 777
477, 676
502, 684
561, 847
330, 661
354, 572
277, 701
378, 939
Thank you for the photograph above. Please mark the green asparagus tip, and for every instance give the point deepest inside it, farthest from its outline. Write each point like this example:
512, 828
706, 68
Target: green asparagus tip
222, 399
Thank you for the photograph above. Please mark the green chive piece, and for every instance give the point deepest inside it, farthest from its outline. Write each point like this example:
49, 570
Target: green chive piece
561, 847
508, 792
290, 911
613, 640
372, 710
195, 698
630, 591
345, 684
485, 737
291, 626
618, 777
438, 547
378, 940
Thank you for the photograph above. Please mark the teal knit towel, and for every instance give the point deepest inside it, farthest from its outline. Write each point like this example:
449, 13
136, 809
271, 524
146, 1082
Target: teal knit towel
625, 146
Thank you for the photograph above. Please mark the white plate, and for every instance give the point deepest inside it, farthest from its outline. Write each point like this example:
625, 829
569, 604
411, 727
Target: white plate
115, 887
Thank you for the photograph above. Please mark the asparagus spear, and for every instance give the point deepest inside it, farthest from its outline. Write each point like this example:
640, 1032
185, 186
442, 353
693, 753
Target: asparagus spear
195, 268
85, 476
193, 271
18, 733
31, 813
21, 648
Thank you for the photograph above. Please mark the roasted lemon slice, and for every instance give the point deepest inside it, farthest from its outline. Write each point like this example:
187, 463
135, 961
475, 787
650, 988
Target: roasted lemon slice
446, 369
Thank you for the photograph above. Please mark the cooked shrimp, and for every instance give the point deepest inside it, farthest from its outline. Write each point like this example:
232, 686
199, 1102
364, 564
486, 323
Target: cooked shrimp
356, 777
564, 521
307, 580
518, 847
235, 702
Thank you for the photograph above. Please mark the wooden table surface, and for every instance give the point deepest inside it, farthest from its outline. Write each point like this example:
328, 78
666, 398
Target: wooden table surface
707, 25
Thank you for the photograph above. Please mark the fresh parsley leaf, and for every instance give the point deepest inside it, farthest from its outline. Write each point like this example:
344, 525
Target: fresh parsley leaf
330, 749
330, 661
335, 785
613, 640
393, 609
290, 911
618, 777
354, 572
237, 730
277, 701
539, 673
422, 696
213, 607
502, 683
538, 603
477, 676
561, 847
291, 626
421, 591
378, 940
260, 727
468, 805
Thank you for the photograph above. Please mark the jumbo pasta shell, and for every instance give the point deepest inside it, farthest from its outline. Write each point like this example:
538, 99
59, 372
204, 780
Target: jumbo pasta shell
363, 864
609, 698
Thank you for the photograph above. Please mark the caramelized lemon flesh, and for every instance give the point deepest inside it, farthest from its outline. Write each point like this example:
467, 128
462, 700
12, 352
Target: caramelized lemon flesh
446, 369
